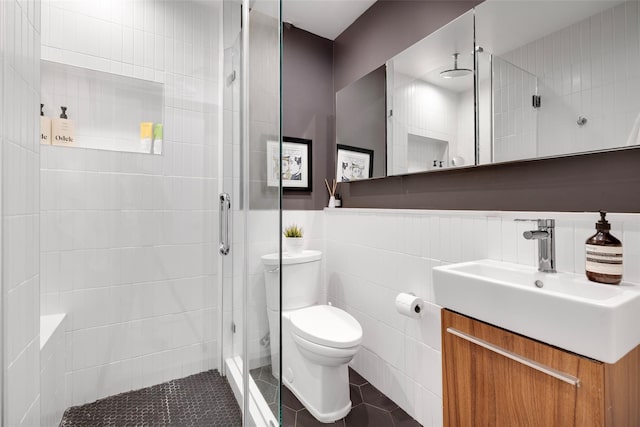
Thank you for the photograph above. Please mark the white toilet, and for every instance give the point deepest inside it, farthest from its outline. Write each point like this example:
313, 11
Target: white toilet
317, 340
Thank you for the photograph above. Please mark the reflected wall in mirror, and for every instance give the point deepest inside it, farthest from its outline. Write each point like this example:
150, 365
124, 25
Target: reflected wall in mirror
430, 102
360, 111
581, 58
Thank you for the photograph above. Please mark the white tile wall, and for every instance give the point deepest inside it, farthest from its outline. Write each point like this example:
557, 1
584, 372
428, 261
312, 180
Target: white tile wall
514, 120
52, 369
587, 69
229, 165
20, 288
128, 240
465, 146
372, 255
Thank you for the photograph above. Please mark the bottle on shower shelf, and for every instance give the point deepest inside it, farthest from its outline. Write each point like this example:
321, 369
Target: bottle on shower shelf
63, 130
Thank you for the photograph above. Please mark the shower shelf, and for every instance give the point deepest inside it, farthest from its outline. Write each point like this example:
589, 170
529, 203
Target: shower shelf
106, 108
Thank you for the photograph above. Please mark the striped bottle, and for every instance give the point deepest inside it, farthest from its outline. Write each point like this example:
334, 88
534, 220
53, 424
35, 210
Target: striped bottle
604, 255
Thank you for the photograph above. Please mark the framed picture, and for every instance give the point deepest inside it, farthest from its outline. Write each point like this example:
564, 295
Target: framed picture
353, 163
295, 167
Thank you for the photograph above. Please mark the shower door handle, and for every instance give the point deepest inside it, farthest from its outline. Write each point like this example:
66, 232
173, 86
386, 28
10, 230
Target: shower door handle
225, 207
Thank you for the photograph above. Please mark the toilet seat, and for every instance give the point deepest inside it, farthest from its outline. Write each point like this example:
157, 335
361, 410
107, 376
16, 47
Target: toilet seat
325, 325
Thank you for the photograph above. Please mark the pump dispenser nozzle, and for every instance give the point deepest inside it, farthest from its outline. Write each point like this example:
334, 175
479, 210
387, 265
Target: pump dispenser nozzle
63, 115
603, 224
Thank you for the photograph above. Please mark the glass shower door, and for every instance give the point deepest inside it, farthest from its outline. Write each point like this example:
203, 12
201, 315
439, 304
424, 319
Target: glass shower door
515, 115
251, 123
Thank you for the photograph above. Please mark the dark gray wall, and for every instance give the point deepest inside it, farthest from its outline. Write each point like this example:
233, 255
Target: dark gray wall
582, 183
386, 29
360, 117
308, 108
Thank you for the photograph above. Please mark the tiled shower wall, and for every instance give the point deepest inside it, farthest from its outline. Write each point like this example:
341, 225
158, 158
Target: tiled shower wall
20, 288
423, 109
514, 120
127, 242
587, 69
372, 255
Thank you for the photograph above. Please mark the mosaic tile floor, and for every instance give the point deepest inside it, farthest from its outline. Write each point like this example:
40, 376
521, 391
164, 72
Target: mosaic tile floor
204, 399
371, 408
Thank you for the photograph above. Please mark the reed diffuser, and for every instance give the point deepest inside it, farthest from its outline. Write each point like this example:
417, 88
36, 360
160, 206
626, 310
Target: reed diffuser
332, 192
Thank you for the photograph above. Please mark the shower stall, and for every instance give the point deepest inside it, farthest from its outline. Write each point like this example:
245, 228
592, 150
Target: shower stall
133, 225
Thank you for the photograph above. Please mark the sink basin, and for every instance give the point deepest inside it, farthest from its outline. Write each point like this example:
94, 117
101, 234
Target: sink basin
568, 311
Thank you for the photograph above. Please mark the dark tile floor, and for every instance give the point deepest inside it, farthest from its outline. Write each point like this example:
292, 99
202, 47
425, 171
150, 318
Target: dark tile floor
204, 399
371, 408
268, 386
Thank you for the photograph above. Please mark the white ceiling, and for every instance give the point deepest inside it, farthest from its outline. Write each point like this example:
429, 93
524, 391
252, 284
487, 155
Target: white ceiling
326, 18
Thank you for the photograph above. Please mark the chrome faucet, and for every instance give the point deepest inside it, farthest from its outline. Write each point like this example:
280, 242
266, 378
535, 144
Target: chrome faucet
546, 243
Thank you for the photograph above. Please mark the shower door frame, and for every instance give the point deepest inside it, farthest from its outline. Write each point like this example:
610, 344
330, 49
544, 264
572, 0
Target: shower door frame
236, 366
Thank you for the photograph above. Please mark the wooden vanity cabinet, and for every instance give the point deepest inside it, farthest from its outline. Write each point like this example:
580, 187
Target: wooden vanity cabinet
493, 377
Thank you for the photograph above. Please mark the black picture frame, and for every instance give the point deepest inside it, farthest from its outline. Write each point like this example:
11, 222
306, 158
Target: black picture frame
293, 167
353, 163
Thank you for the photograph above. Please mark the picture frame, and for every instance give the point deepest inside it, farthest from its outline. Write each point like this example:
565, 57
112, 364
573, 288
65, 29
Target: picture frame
294, 167
353, 163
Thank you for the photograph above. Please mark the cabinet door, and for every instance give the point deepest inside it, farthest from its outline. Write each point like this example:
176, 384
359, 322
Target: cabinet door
494, 377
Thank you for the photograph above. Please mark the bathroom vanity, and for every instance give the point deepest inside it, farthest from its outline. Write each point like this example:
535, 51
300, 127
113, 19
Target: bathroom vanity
494, 377
522, 347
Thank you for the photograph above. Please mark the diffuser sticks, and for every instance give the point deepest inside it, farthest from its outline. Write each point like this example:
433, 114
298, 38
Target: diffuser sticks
332, 192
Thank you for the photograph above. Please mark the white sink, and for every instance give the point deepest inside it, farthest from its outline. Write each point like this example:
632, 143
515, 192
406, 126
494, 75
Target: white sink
595, 320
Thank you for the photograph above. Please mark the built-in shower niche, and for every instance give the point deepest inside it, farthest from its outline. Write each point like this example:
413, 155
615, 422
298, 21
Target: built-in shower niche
425, 154
107, 109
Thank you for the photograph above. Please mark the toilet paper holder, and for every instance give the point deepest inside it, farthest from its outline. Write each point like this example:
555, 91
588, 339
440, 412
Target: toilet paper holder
410, 305
418, 308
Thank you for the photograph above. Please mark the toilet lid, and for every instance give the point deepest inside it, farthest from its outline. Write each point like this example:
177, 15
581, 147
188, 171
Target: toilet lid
327, 325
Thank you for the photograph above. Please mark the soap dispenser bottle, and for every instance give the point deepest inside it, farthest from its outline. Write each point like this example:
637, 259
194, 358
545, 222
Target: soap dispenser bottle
604, 255
146, 137
45, 127
62, 130
157, 138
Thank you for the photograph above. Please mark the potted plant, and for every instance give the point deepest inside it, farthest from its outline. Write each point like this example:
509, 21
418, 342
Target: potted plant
293, 239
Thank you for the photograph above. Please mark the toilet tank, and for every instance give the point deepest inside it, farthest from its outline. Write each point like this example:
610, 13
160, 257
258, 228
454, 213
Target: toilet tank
300, 280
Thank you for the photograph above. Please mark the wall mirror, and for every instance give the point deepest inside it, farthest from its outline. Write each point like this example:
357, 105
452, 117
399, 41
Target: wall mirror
360, 111
568, 84
430, 102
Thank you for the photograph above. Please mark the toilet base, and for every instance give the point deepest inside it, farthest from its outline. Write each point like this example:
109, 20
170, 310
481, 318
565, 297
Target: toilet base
323, 390
326, 417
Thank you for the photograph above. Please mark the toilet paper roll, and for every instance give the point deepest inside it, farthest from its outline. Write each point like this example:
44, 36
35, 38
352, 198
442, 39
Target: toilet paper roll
409, 305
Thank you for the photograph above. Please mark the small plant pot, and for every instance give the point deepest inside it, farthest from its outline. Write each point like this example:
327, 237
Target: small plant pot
294, 245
